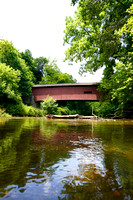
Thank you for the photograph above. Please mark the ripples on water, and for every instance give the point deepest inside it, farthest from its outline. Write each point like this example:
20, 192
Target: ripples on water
66, 159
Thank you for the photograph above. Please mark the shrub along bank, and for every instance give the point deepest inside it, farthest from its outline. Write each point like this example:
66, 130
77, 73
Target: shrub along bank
20, 110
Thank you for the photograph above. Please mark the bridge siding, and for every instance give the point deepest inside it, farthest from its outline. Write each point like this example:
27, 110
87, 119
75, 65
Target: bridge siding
66, 93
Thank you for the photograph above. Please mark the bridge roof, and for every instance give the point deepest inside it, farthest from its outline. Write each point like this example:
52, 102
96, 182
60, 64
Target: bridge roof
68, 84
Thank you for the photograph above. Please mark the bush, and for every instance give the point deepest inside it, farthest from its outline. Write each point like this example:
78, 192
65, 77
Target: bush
63, 111
24, 110
103, 109
49, 106
3, 113
32, 112
6, 115
79, 107
16, 109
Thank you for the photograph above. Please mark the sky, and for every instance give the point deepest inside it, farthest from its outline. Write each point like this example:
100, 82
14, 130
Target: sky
38, 25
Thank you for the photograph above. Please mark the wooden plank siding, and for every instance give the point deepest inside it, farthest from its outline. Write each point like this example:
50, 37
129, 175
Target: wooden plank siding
63, 92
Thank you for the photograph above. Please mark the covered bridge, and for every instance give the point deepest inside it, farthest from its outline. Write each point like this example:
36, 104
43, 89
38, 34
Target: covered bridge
67, 92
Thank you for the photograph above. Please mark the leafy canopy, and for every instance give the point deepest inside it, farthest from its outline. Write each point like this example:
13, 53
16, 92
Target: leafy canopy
11, 57
9, 80
39, 66
101, 35
91, 33
52, 74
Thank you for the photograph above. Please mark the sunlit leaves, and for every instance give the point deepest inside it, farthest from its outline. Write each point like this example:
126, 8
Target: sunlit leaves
49, 105
9, 80
11, 56
101, 35
122, 81
90, 33
128, 27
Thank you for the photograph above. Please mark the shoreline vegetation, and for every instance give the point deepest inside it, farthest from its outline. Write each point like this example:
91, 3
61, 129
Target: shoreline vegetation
50, 105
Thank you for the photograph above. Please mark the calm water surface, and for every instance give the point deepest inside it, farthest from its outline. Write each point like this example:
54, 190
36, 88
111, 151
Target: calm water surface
66, 159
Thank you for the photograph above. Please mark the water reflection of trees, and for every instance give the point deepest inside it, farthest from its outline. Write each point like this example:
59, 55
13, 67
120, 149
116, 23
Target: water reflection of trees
92, 184
115, 181
31, 148
14, 154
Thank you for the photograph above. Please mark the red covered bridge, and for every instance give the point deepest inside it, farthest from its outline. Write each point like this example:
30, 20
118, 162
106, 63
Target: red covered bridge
67, 91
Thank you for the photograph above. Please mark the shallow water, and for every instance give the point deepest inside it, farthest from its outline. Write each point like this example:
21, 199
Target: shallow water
66, 159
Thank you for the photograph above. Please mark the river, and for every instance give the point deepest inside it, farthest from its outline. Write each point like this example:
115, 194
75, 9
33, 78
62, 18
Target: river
66, 159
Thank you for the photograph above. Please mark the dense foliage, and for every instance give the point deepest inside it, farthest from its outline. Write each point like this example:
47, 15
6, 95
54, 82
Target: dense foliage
79, 107
11, 57
19, 71
53, 75
21, 109
45, 71
49, 106
9, 80
100, 35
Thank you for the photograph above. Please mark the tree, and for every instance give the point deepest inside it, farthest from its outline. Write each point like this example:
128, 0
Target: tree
101, 34
11, 57
91, 34
29, 60
53, 75
120, 86
39, 66
9, 80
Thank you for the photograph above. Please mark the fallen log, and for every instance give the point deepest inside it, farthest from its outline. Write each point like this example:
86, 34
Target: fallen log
77, 116
87, 117
62, 116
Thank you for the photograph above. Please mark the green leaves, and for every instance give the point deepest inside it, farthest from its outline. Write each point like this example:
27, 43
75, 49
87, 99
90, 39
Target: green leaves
39, 66
53, 75
119, 89
49, 105
101, 35
9, 80
11, 57
91, 33
123, 82
18, 73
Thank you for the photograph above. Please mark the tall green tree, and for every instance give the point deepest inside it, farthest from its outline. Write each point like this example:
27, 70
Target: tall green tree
52, 74
91, 33
9, 83
39, 66
120, 85
122, 79
100, 35
29, 60
11, 57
